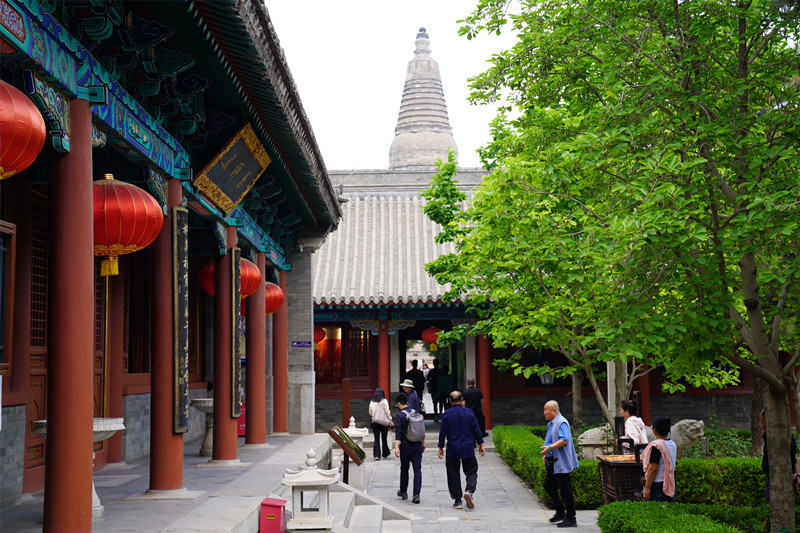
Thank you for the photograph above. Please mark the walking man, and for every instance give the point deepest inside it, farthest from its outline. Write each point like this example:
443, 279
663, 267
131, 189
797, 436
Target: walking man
560, 459
460, 428
410, 453
473, 399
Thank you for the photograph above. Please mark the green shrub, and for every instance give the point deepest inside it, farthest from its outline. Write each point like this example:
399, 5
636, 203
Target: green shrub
656, 517
721, 442
731, 481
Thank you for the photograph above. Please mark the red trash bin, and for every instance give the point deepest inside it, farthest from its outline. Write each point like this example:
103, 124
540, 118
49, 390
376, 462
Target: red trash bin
273, 517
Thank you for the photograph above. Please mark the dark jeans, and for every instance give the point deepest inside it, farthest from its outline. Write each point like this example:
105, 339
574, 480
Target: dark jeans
410, 455
555, 483
657, 493
470, 466
380, 432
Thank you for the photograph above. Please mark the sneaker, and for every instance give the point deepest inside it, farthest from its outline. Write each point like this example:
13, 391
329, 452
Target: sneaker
568, 522
468, 500
457, 504
403, 495
415, 499
377, 458
558, 517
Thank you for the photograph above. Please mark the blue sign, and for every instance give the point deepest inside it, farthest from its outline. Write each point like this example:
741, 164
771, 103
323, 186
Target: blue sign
301, 344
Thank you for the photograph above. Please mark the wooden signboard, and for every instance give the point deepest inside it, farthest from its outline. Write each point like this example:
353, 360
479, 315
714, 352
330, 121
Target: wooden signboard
351, 449
180, 312
233, 172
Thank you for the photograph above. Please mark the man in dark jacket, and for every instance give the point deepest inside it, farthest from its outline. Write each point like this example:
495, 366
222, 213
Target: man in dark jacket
410, 453
473, 400
417, 377
460, 429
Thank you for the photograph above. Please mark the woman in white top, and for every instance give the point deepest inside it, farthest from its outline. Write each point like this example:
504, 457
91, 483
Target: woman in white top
634, 426
381, 420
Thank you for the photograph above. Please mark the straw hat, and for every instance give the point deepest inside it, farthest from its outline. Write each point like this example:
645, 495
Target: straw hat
407, 383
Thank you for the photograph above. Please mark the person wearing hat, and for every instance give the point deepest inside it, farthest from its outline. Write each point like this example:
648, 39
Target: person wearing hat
413, 397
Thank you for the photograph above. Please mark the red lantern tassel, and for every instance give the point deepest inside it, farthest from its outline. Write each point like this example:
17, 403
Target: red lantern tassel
109, 266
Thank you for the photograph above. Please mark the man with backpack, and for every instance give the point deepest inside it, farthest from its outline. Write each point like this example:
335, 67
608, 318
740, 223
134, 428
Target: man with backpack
459, 428
409, 443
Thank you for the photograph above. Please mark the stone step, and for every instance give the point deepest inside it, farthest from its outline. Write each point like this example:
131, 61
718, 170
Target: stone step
342, 504
396, 526
366, 519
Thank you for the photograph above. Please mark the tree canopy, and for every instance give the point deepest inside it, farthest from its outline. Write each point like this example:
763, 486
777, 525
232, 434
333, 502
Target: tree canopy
644, 198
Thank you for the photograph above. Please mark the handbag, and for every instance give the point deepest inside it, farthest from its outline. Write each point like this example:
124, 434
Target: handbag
380, 415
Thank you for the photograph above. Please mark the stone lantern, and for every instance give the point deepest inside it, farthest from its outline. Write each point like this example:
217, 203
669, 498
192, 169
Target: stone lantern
310, 495
355, 477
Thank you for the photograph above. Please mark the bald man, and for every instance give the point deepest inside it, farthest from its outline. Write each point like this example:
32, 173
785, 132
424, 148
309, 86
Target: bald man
560, 459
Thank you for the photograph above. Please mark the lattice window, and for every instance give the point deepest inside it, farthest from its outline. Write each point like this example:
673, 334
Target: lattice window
39, 278
7, 232
99, 308
358, 346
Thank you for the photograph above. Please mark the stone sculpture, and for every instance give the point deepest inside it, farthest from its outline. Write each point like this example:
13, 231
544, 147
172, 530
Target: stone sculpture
600, 440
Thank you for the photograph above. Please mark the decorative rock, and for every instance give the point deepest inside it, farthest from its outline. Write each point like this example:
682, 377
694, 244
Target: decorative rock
600, 441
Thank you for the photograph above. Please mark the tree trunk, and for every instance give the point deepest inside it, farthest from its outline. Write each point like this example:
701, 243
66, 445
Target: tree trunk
620, 383
780, 468
577, 398
756, 406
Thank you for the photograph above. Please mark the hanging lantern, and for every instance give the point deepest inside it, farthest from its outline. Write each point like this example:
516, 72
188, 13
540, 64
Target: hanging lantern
275, 297
126, 219
250, 277
22, 131
431, 335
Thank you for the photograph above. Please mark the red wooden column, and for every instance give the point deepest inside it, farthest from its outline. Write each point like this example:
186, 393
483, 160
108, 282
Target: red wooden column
166, 446
485, 377
225, 426
70, 361
280, 364
256, 385
383, 358
113, 374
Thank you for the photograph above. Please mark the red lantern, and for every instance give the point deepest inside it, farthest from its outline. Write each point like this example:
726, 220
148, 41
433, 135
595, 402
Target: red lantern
431, 335
250, 277
275, 297
22, 131
319, 334
126, 219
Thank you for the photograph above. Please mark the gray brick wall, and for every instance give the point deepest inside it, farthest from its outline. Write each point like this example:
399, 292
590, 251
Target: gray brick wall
136, 436
12, 453
329, 413
300, 381
729, 409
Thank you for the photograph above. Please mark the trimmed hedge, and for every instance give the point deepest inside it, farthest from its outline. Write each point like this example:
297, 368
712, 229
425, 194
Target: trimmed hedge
644, 517
658, 517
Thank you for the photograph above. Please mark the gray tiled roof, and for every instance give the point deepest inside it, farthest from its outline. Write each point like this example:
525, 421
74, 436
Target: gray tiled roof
378, 254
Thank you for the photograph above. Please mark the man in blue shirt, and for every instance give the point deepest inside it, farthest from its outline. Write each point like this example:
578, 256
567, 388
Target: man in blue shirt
410, 453
560, 459
460, 428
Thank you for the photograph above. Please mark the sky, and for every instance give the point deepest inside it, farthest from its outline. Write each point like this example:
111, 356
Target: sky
348, 59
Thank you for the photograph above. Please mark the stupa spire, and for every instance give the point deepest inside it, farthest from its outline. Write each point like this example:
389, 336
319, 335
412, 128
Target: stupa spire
423, 133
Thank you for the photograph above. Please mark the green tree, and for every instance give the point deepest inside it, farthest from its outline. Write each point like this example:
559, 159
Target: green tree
644, 200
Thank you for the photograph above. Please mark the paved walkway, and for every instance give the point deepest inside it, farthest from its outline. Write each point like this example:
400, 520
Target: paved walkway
502, 503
